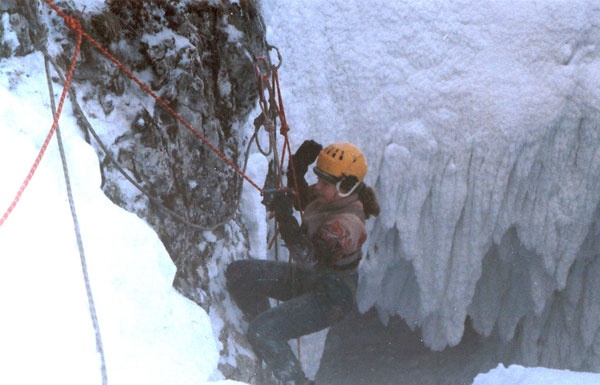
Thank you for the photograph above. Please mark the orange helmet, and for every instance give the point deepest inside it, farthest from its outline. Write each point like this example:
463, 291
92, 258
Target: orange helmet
341, 160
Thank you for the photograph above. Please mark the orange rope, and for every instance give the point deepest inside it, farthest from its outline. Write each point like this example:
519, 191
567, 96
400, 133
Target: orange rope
76, 26
144, 87
284, 130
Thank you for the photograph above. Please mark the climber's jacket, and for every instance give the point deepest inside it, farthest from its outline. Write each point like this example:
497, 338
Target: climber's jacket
331, 235
338, 229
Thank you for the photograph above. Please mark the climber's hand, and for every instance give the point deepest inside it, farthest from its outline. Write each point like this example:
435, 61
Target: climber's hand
279, 201
305, 155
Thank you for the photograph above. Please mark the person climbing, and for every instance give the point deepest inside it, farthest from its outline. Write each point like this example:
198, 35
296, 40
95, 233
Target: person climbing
318, 287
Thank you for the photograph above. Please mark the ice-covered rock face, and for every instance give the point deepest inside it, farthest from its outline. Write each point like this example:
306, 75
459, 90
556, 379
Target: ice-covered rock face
197, 57
481, 124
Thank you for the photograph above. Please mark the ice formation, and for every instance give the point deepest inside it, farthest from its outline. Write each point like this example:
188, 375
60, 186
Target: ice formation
481, 123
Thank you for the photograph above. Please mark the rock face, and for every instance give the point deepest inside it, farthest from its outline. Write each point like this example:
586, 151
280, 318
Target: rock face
197, 60
197, 57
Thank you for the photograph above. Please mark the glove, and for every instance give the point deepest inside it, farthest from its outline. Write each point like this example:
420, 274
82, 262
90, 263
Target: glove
279, 202
305, 155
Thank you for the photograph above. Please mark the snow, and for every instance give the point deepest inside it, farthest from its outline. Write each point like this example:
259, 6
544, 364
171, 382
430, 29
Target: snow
480, 124
151, 334
177, 42
10, 36
518, 375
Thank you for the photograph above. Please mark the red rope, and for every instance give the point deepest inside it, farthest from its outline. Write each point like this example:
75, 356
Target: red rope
274, 92
263, 78
76, 26
178, 117
284, 130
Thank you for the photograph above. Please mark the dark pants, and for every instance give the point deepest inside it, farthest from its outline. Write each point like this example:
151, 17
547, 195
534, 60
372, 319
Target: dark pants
313, 299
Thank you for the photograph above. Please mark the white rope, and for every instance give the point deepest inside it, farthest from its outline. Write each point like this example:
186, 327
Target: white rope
88, 288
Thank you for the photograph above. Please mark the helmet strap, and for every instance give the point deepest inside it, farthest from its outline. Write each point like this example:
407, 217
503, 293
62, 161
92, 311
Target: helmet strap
347, 193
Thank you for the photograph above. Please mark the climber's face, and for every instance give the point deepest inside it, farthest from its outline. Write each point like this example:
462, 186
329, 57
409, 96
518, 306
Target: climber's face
326, 191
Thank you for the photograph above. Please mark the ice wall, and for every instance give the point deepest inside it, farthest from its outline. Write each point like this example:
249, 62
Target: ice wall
481, 124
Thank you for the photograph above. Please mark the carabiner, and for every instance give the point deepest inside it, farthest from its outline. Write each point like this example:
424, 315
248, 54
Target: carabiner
279, 58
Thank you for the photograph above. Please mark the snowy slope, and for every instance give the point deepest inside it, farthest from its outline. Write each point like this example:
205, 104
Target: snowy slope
151, 334
481, 124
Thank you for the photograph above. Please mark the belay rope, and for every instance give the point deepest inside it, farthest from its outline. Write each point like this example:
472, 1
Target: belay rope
84, 270
89, 129
158, 100
271, 105
56, 111
75, 26
272, 108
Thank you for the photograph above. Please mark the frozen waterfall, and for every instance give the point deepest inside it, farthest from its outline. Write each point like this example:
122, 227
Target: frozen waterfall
481, 123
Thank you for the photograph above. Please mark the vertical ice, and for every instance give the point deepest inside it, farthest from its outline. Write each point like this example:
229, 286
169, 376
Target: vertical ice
482, 124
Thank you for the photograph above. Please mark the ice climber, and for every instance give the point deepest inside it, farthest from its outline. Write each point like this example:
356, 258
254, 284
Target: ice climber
317, 289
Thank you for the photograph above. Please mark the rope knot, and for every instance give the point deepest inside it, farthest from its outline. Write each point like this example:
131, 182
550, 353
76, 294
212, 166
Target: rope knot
73, 23
284, 129
269, 125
